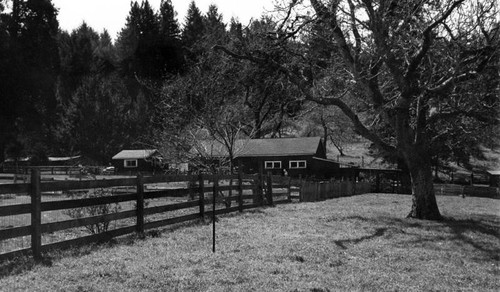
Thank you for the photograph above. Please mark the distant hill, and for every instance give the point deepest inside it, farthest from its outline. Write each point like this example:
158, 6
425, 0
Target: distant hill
359, 154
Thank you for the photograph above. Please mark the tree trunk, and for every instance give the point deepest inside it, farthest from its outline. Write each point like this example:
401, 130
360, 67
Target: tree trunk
424, 204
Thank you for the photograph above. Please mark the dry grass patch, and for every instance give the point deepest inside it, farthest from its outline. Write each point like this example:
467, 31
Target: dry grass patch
355, 243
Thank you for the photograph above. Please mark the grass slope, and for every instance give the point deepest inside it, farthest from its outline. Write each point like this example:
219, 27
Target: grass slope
354, 243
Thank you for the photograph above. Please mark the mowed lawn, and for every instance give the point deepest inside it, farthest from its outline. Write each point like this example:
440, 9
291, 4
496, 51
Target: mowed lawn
354, 243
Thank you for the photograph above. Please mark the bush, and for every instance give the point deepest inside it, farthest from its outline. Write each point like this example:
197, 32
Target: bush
96, 210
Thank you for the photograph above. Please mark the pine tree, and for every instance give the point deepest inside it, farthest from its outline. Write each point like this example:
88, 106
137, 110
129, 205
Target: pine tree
32, 69
170, 47
215, 29
169, 27
193, 32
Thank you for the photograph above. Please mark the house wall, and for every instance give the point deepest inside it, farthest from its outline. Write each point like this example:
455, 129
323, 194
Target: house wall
142, 166
316, 168
325, 169
494, 180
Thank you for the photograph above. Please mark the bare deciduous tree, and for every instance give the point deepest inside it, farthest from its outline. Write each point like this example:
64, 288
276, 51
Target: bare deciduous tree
410, 64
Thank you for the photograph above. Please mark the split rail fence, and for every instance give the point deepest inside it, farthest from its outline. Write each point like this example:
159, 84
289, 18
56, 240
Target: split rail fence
144, 203
145, 197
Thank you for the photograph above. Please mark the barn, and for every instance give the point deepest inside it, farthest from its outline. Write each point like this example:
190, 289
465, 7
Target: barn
304, 156
135, 161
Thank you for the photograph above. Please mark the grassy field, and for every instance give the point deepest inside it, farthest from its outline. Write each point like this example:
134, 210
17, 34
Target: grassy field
345, 244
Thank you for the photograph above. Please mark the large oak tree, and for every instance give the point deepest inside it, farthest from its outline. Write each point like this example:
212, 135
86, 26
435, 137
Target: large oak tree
396, 69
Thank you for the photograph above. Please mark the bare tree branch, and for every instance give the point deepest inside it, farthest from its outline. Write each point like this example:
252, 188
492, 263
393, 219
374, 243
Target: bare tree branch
427, 40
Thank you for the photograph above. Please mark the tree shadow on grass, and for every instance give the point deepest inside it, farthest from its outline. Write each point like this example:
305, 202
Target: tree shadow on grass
486, 229
486, 225
482, 232
378, 233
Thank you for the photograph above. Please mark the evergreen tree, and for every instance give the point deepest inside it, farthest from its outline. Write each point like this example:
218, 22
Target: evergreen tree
192, 33
7, 101
215, 29
99, 120
105, 54
235, 34
170, 47
77, 57
138, 43
32, 65
169, 26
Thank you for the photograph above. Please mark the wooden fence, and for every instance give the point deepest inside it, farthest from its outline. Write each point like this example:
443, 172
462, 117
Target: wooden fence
246, 191
316, 191
466, 191
48, 169
249, 191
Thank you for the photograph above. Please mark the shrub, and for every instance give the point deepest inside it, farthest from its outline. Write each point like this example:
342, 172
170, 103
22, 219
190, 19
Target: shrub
95, 210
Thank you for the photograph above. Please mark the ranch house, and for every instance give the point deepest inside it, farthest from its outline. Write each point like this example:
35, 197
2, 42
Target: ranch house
295, 157
135, 161
305, 156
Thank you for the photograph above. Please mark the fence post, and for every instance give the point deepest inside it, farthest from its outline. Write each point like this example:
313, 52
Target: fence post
317, 191
269, 193
201, 192
289, 189
301, 188
261, 185
190, 185
240, 189
140, 205
215, 189
354, 183
36, 215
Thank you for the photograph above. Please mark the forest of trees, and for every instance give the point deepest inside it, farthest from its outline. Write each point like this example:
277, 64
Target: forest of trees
419, 79
79, 92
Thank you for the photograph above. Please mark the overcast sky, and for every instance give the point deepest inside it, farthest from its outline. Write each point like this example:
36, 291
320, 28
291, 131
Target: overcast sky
111, 14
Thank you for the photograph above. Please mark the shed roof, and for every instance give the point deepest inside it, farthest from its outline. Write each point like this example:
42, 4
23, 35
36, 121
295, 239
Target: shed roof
135, 154
66, 158
262, 147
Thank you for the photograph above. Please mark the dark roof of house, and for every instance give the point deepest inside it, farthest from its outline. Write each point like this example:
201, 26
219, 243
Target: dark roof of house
262, 147
278, 147
135, 154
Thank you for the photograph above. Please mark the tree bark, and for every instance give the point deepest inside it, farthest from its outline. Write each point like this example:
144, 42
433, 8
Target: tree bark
424, 204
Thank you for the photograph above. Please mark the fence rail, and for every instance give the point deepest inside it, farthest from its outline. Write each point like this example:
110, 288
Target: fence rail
52, 169
247, 191
205, 194
466, 191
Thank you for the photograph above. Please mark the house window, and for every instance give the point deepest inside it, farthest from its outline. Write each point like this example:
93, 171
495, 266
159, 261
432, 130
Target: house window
298, 164
130, 163
272, 165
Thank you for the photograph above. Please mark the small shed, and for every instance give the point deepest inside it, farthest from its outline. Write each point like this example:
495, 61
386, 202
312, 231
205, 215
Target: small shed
141, 160
494, 178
